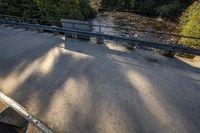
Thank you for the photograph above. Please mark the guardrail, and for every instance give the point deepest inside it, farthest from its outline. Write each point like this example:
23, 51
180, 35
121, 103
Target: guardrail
166, 47
58, 23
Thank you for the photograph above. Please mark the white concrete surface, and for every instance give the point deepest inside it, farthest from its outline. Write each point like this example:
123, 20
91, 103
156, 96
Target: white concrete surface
76, 86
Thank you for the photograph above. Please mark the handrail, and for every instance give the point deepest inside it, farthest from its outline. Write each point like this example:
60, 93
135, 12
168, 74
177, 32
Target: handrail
105, 26
166, 47
23, 112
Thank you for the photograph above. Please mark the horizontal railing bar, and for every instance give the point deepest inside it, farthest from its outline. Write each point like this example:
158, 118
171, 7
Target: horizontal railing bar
166, 47
150, 31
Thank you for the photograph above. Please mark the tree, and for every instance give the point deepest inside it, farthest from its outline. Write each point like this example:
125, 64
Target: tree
51, 9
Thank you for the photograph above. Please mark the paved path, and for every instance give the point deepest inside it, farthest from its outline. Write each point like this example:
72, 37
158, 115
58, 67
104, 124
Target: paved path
76, 86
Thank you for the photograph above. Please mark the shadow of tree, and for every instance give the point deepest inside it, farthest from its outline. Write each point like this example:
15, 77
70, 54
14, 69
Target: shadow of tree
90, 88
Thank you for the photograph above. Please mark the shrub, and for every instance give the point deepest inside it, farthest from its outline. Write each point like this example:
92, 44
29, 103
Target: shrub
51, 9
190, 22
171, 9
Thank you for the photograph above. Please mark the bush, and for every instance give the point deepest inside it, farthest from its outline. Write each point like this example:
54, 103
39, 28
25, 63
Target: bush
169, 9
89, 8
50, 9
190, 22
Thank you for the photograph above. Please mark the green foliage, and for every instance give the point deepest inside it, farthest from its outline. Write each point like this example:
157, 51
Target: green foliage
84, 9
89, 8
169, 9
190, 22
51, 9
18, 7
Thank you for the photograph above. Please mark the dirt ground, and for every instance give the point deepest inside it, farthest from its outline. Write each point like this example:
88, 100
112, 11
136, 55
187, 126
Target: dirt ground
79, 86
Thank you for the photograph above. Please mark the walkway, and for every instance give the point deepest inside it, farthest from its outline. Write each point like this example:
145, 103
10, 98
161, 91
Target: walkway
78, 86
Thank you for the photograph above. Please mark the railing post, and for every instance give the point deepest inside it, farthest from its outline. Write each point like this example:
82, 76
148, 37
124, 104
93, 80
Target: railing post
171, 54
35, 20
39, 30
177, 40
131, 45
55, 32
73, 26
99, 40
65, 36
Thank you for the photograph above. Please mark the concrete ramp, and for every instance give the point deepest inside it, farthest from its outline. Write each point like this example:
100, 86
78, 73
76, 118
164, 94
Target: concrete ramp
78, 86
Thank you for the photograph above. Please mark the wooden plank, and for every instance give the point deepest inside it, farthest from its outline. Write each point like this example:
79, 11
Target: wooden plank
76, 24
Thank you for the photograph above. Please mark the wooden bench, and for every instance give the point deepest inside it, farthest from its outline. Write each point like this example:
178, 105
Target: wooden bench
77, 25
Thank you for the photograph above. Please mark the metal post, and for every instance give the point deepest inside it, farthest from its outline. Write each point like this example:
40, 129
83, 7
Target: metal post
55, 32
73, 35
131, 45
177, 40
99, 40
171, 54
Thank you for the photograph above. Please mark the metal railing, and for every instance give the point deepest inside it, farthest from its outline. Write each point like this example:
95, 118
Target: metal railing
130, 40
58, 23
23, 112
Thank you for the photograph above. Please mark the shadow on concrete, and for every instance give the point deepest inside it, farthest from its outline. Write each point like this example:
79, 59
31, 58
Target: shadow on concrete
90, 88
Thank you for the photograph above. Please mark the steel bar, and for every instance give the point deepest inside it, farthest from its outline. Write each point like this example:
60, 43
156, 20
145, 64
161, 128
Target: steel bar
22, 111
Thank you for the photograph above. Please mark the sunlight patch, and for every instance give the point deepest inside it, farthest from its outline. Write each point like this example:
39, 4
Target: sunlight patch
146, 92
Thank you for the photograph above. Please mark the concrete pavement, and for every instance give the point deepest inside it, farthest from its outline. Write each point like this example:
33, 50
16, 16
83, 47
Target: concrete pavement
78, 86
